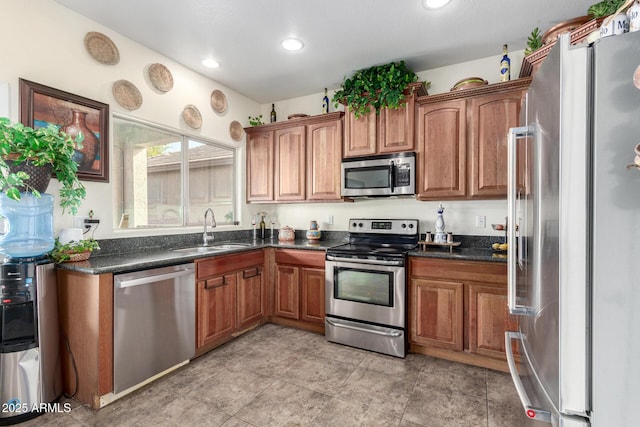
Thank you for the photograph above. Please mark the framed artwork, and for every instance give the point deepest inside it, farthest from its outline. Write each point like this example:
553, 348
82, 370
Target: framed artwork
42, 105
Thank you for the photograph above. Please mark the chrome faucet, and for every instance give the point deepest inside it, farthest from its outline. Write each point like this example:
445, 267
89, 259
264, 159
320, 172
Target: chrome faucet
206, 238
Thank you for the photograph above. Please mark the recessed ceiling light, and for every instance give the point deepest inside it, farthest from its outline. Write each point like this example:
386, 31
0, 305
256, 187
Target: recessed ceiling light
210, 63
292, 44
434, 4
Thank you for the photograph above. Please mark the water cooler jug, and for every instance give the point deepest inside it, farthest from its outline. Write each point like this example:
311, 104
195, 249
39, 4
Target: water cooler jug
30, 376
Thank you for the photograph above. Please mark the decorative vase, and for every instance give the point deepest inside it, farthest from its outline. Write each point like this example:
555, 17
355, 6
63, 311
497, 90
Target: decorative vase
313, 233
86, 155
39, 176
440, 235
286, 234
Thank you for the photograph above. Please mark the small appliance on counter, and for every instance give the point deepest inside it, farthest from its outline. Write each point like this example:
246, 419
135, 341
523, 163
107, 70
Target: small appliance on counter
366, 285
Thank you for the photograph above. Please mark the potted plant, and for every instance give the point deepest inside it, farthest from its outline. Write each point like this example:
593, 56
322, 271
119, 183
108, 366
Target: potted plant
73, 251
604, 8
534, 42
22, 146
380, 86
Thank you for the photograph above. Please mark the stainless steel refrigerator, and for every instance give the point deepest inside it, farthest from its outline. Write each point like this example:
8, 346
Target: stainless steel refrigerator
574, 237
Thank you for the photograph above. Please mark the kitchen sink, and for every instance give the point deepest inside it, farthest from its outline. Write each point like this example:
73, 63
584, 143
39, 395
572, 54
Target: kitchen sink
217, 247
229, 245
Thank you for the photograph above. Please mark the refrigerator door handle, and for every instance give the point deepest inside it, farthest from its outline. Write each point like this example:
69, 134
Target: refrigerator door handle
513, 198
531, 411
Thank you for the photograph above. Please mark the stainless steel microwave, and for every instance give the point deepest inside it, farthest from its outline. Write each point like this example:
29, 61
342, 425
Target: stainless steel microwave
384, 175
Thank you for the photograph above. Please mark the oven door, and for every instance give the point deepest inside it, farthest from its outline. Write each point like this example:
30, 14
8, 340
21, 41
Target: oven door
366, 290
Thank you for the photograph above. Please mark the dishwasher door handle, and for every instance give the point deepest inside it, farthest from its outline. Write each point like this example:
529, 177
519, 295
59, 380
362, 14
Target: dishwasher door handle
152, 279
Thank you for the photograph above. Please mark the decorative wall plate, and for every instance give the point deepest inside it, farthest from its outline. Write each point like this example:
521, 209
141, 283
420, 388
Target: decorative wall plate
191, 116
218, 101
101, 48
127, 95
236, 131
160, 77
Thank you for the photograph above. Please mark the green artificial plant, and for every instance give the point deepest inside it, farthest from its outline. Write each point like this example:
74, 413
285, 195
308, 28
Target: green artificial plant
604, 8
45, 145
534, 42
255, 121
380, 86
61, 253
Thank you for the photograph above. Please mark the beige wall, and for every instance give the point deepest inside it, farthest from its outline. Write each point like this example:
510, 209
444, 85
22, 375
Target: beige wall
43, 42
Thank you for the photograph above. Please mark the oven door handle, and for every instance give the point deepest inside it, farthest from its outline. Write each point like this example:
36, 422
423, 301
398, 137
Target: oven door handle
393, 334
364, 261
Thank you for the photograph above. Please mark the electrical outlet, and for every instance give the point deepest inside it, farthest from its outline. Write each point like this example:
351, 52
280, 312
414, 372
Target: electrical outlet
481, 221
330, 219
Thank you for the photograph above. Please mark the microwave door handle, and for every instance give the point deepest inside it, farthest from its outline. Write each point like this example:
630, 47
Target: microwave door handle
392, 184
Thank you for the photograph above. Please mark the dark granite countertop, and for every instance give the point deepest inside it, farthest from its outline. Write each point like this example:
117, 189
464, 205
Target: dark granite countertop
464, 254
161, 257
131, 254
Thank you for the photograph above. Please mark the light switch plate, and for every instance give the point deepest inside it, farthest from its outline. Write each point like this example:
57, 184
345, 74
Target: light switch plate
481, 221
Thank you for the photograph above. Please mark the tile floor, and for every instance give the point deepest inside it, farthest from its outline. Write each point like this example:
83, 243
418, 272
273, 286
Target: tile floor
279, 376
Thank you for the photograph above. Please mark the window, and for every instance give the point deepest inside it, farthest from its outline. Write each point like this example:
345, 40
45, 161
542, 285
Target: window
154, 167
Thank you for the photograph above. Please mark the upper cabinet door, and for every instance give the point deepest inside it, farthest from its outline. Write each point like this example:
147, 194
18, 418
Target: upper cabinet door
360, 134
491, 117
324, 155
442, 164
290, 164
260, 166
396, 127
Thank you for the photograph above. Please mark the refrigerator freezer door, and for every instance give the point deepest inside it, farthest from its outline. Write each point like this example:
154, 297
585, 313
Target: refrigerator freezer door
616, 232
553, 328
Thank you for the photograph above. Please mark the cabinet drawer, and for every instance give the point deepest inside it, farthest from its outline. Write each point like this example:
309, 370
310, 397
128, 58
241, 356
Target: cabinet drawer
477, 271
300, 257
208, 267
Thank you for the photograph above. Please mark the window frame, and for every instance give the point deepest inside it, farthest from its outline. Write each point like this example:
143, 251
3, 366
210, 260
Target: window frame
184, 171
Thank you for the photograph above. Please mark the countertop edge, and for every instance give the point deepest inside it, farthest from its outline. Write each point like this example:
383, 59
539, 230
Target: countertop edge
161, 257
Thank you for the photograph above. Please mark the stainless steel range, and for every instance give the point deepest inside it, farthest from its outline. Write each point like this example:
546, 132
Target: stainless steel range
366, 285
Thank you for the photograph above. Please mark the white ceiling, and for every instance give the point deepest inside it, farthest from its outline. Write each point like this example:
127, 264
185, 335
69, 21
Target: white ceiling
340, 36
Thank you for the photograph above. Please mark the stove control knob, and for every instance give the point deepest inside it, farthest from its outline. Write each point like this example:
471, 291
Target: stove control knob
410, 225
403, 226
354, 225
360, 225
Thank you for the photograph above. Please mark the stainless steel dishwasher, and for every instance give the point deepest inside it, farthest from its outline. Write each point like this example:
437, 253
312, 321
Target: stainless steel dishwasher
153, 323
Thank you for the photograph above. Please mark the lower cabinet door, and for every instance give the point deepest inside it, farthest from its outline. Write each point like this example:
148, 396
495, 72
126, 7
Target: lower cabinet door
216, 308
250, 296
287, 303
489, 318
437, 318
313, 295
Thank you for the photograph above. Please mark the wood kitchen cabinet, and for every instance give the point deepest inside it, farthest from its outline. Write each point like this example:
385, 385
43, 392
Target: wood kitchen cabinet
291, 164
391, 131
438, 308
260, 166
462, 141
458, 310
442, 150
299, 288
301, 156
230, 296
488, 319
216, 298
